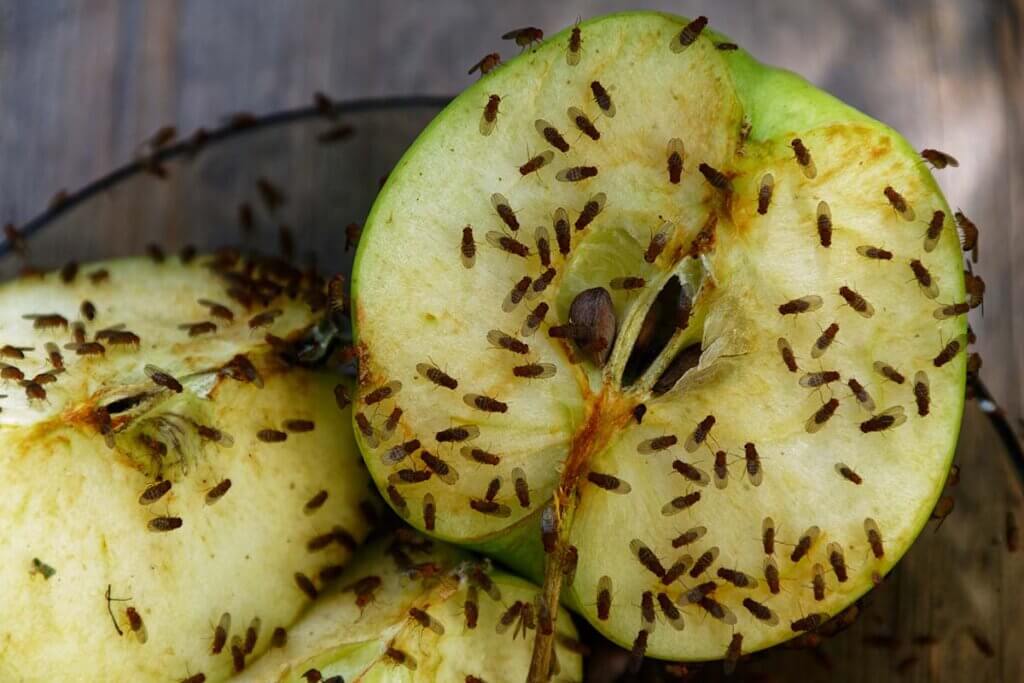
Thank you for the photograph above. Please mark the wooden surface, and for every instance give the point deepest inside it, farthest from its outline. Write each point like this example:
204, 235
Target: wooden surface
81, 84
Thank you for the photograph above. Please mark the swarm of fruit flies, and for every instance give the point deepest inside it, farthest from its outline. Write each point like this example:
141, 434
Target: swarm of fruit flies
642, 331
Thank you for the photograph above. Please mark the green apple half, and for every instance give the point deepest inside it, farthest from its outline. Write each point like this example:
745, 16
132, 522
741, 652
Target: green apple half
410, 609
798, 284
139, 508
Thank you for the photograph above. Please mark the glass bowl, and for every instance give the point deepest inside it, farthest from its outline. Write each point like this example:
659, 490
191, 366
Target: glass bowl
298, 179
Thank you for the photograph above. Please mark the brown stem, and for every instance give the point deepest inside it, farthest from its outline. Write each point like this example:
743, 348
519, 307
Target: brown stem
605, 416
554, 573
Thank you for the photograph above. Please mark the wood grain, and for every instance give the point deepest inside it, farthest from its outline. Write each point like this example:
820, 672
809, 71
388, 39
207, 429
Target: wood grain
83, 83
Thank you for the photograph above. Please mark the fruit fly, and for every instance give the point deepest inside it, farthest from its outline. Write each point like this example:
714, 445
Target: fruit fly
535, 371
437, 376
315, 502
543, 246
753, 461
736, 577
768, 536
480, 456
657, 443
700, 434
509, 245
489, 118
676, 571
771, 575
471, 607
535, 163
803, 157
676, 153
887, 419
533, 320
764, 193
155, 492
690, 472
924, 279
572, 54
400, 657
688, 35
689, 536
163, 524
931, 236
760, 611
937, 159
398, 453
715, 178
647, 615
810, 622
542, 283
271, 435
704, 562
425, 620
848, 474
603, 99
922, 393
803, 545
591, 210
467, 248
671, 612
551, 135
438, 466
252, 634
951, 310
525, 37
837, 561
583, 123
575, 174
46, 321
733, 653
804, 304
824, 223
163, 379
899, 203
637, 651
874, 538
786, 351
658, 242
560, 221
681, 503
608, 482
646, 557
522, 488
485, 403
950, 351
456, 434
487, 64
969, 234
516, 294
856, 302
200, 328
507, 342
818, 582
721, 469
889, 372
875, 253
717, 610
824, 341
383, 392
627, 283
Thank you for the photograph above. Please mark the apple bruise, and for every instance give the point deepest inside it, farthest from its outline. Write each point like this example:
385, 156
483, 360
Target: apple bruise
749, 201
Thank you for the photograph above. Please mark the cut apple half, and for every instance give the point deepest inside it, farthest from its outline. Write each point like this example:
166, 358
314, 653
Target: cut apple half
411, 609
170, 482
694, 343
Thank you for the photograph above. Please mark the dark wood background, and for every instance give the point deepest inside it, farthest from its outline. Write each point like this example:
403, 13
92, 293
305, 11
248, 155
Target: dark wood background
83, 83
